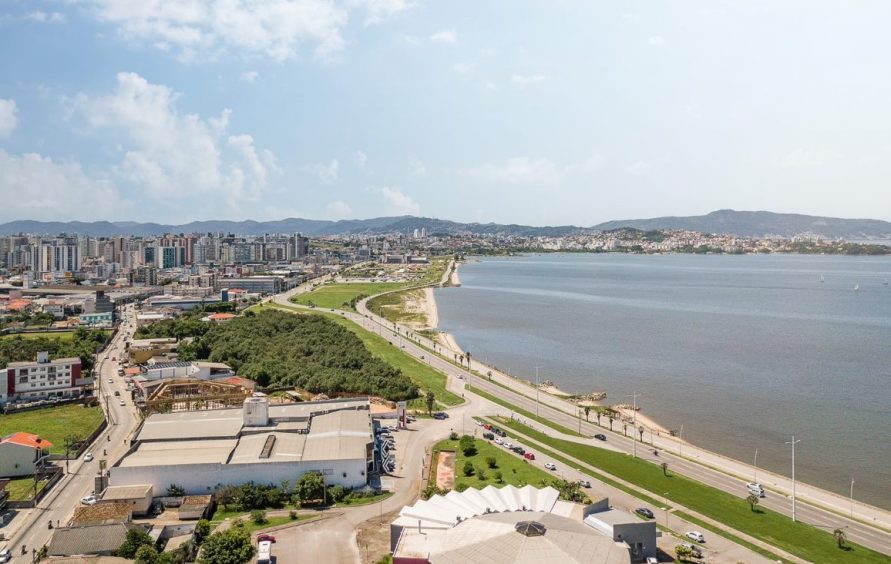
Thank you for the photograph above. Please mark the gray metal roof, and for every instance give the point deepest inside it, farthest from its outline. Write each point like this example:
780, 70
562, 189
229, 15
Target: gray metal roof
210, 424
93, 539
126, 492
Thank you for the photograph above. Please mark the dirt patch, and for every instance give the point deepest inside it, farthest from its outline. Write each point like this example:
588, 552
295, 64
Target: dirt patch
445, 470
373, 537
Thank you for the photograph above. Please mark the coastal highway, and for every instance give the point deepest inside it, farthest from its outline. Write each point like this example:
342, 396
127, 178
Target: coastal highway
858, 532
32, 532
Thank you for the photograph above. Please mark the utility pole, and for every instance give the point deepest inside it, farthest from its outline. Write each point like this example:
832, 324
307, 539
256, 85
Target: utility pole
755, 479
681, 441
852, 498
793, 442
537, 386
634, 434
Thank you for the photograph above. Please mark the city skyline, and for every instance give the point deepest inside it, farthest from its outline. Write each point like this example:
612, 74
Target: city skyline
474, 113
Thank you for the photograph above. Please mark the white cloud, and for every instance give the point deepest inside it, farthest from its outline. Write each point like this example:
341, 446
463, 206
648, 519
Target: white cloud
656, 40
8, 118
444, 36
46, 17
518, 170
532, 170
339, 210
639, 168
527, 78
377, 11
206, 28
36, 187
398, 203
361, 159
327, 173
173, 156
417, 168
248, 76
463, 68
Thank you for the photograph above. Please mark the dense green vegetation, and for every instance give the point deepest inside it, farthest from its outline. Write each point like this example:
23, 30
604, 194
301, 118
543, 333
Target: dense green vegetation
54, 423
82, 343
769, 526
274, 348
61, 335
425, 377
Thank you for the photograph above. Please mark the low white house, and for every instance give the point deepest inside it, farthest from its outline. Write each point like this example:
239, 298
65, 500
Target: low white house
21, 453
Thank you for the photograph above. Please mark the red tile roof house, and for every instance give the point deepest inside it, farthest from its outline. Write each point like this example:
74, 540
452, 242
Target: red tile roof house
20, 453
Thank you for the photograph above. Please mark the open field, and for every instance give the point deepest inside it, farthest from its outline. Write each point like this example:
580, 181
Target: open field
61, 335
54, 423
394, 307
513, 469
797, 538
423, 375
22, 489
339, 296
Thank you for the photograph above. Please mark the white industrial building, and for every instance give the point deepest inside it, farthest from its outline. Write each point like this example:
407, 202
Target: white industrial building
199, 450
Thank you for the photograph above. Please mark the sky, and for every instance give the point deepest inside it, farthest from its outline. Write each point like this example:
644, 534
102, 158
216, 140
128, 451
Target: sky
512, 111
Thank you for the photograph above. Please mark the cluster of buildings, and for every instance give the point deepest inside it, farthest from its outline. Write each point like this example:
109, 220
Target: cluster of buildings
43, 379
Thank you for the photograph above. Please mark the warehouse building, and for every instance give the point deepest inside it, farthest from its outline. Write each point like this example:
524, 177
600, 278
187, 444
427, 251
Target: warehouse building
258, 442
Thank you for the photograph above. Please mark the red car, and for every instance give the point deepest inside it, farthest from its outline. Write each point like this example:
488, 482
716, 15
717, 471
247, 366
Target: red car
265, 537
488, 426
529, 456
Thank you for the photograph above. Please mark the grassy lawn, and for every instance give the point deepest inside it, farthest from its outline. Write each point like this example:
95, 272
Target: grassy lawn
22, 489
423, 375
527, 414
54, 423
514, 470
61, 335
803, 540
335, 295
392, 306
364, 500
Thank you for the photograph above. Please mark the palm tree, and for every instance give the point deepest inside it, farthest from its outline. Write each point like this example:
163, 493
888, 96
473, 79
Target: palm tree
587, 411
624, 429
665, 469
611, 419
641, 431
431, 399
752, 501
599, 413
841, 537
467, 356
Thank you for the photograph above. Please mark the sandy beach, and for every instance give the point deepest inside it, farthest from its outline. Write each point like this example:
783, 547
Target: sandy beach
431, 312
454, 280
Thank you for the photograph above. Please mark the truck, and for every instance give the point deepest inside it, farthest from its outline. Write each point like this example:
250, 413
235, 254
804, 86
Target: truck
264, 552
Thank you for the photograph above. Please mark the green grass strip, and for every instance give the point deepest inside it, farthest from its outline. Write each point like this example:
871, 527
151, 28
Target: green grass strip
803, 540
729, 536
555, 426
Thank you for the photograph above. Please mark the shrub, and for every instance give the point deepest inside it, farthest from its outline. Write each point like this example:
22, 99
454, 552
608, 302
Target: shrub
453, 436
175, 490
480, 473
259, 517
490, 462
496, 475
467, 445
461, 487
468, 468
292, 515
336, 493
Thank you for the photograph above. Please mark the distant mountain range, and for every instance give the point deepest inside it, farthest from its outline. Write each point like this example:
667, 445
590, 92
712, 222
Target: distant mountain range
740, 223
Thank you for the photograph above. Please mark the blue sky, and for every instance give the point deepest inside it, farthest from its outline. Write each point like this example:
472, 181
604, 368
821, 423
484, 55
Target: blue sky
510, 111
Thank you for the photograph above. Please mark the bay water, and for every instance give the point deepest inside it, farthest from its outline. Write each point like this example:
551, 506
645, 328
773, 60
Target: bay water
743, 351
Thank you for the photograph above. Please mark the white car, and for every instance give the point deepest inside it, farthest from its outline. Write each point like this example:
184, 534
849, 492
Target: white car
111, 380
88, 457
550, 466
5, 555
89, 500
123, 403
695, 535
755, 488
652, 560
507, 445
498, 441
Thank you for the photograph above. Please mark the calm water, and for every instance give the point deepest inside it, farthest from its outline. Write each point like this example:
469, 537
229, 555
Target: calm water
742, 350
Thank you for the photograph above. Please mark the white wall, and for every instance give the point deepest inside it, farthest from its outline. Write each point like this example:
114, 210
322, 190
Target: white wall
200, 479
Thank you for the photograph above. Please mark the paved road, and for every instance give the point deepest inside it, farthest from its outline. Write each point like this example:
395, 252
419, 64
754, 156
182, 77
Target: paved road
32, 530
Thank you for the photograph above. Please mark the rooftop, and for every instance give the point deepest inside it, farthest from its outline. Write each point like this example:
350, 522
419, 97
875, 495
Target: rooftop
101, 513
26, 439
88, 540
67, 360
113, 493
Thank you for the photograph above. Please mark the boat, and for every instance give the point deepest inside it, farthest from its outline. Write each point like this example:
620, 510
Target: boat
856, 287
822, 279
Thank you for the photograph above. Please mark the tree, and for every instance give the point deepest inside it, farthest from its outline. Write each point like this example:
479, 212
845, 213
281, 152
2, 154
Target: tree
202, 530
232, 546
468, 468
665, 469
841, 537
641, 431
480, 473
258, 516
175, 490
430, 399
611, 418
467, 445
682, 552
135, 539
146, 555
752, 500
490, 462
587, 411
599, 413
310, 487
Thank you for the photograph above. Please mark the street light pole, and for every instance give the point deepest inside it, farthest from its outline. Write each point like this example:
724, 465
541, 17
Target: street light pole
793, 442
537, 387
665, 495
681, 441
755, 479
634, 434
852, 498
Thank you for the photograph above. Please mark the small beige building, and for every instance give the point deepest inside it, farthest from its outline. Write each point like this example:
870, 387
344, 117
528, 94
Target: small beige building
138, 497
21, 453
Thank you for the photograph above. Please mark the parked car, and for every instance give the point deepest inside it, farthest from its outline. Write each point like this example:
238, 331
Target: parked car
600, 437
5, 555
477, 422
265, 537
498, 441
89, 500
695, 535
652, 560
645, 512
487, 426
123, 403
755, 488
585, 483
111, 380
117, 393
529, 456
88, 457
550, 466
488, 436
519, 450
507, 445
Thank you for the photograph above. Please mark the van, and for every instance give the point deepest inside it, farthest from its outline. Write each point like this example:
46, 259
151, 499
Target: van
264, 552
